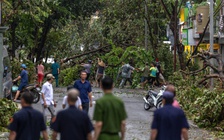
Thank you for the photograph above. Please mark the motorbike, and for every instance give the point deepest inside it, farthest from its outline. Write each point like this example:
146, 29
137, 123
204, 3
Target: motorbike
32, 88
153, 99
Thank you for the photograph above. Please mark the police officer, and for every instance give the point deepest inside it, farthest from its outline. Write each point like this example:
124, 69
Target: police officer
72, 123
27, 123
169, 122
109, 114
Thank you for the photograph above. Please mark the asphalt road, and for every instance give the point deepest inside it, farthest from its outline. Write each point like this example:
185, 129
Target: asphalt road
139, 120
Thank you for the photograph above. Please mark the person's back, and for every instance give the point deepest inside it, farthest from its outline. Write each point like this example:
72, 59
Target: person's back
146, 71
27, 123
153, 71
40, 69
24, 77
169, 121
29, 120
73, 124
109, 114
87, 67
114, 116
55, 68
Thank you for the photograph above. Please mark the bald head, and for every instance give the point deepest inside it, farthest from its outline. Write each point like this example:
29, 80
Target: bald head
171, 88
72, 96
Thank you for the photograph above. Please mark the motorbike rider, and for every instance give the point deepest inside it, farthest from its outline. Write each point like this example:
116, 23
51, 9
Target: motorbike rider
23, 80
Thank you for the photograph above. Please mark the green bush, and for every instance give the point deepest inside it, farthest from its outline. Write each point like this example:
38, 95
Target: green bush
7, 109
68, 75
205, 107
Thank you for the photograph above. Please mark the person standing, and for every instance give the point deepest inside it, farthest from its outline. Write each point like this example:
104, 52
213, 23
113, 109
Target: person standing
40, 71
55, 68
72, 123
23, 82
145, 75
47, 100
100, 72
125, 69
85, 91
109, 114
78, 103
87, 68
153, 71
27, 123
169, 123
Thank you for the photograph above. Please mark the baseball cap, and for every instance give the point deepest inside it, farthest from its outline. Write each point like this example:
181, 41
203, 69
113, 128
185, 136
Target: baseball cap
23, 66
168, 95
49, 76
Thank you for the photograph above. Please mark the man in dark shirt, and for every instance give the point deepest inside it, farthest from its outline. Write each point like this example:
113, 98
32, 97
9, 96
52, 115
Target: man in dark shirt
72, 123
85, 91
169, 123
27, 123
24, 80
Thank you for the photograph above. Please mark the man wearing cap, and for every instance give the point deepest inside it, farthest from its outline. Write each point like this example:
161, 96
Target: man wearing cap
47, 100
23, 82
169, 122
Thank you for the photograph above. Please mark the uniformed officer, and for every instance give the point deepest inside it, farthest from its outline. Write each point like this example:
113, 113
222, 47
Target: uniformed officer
72, 123
169, 122
109, 114
27, 123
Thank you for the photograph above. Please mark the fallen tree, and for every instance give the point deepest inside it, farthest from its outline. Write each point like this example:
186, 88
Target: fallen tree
87, 53
206, 57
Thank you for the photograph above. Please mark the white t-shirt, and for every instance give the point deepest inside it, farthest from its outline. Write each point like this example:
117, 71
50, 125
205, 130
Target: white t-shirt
77, 103
47, 90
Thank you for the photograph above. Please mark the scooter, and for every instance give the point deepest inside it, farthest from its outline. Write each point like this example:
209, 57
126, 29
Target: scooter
153, 99
33, 89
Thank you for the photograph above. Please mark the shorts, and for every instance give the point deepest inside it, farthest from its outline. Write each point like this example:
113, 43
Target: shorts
152, 79
22, 86
143, 79
99, 76
40, 77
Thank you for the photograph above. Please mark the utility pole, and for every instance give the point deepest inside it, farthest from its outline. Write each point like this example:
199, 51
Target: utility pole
2, 30
175, 37
211, 30
146, 25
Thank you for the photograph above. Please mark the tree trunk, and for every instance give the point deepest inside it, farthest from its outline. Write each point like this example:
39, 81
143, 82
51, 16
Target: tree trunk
47, 27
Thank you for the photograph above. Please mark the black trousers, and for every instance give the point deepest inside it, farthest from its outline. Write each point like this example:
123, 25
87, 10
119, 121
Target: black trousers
85, 107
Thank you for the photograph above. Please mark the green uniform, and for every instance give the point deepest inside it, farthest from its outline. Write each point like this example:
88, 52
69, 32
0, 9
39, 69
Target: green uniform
111, 111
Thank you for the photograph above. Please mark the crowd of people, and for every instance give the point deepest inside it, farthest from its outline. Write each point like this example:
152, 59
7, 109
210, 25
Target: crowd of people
73, 122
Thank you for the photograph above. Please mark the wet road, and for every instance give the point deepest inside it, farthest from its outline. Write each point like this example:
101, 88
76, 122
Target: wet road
139, 120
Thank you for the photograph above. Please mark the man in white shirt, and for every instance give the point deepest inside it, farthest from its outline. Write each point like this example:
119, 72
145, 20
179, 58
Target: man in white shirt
78, 103
47, 100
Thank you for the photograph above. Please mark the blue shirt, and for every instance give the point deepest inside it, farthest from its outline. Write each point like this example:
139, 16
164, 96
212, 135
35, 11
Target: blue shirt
72, 124
84, 90
54, 68
27, 123
24, 77
169, 122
